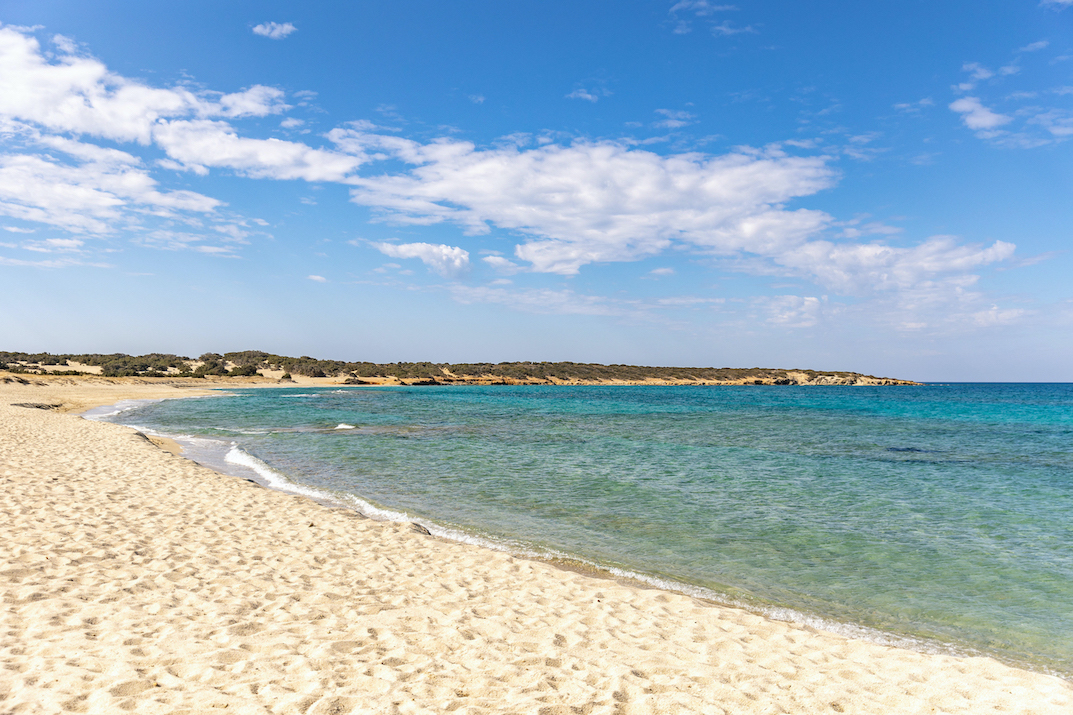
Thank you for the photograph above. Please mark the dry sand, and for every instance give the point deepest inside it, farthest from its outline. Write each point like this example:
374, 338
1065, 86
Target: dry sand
135, 580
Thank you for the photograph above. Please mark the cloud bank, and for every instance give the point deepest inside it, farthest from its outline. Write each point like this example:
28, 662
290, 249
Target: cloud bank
566, 206
597, 202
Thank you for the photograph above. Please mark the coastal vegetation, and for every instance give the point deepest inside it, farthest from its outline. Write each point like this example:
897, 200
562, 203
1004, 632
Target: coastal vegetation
251, 363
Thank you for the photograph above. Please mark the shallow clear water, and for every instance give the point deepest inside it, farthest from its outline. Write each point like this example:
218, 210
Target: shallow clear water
938, 513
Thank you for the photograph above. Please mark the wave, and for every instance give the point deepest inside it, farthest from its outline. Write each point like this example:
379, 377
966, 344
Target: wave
106, 412
272, 478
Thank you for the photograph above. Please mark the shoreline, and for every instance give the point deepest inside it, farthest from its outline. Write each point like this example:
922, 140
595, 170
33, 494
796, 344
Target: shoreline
572, 563
894, 674
255, 472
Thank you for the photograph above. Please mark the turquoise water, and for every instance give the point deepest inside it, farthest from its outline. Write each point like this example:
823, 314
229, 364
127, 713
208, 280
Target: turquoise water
941, 514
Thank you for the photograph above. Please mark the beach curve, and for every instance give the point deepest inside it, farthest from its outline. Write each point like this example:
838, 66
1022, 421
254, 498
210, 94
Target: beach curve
135, 579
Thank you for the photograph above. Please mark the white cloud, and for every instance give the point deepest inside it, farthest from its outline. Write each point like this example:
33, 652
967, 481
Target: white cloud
169, 239
16, 229
1024, 127
997, 316
599, 202
1058, 4
978, 70
662, 272
675, 119
1056, 121
51, 263
317, 279
553, 302
863, 269
291, 123
274, 30
927, 286
572, 205
685, 301
476, 98
502, 265
792, 311
858, 228
232, 231
213, 250
257, 101
726, 28
54, 245
201, 143
914, 107
1035, 46
697, 8
90, 196
448, 261
592, 95
701, 8
65, 44
978, 117
583, 94
569, 302
78, 94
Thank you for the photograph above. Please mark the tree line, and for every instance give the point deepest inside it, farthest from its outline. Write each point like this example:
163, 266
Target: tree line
252, 362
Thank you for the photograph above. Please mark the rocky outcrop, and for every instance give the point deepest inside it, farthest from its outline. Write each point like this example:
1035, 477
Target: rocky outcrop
851, 378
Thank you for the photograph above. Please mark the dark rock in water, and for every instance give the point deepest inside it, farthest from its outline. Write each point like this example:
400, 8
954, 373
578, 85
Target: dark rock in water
425, 383
37, 405
420, 529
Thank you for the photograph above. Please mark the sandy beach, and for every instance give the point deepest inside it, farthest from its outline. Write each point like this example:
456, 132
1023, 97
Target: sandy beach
135, 580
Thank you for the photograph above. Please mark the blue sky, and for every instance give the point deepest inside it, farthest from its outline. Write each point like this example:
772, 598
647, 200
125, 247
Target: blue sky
882, 187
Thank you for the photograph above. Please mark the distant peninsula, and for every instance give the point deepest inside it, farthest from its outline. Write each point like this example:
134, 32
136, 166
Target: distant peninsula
257, 367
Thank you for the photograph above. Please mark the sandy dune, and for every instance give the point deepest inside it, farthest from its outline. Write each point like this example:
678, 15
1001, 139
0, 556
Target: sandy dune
134, 580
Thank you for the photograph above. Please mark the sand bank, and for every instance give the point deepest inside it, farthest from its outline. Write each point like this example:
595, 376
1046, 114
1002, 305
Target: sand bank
133, 579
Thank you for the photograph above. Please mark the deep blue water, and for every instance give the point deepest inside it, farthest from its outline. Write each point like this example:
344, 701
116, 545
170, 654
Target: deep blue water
940, 514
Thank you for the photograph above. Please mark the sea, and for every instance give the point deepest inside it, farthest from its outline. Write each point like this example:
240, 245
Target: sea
937, 517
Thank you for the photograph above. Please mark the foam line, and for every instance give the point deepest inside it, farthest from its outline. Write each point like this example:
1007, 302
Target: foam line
276, 480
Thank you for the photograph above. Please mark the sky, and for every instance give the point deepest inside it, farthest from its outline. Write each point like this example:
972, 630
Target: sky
883, 187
